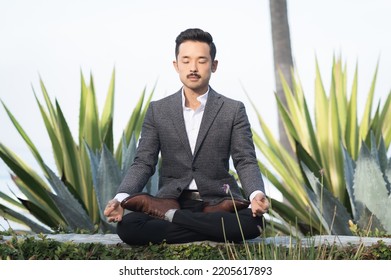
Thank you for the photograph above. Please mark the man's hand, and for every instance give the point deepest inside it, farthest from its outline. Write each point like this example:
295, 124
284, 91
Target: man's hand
113, 211
260, 204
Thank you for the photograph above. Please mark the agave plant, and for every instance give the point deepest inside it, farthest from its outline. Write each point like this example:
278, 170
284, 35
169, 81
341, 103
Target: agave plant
319, 147
107, 174
70, 200
369, 187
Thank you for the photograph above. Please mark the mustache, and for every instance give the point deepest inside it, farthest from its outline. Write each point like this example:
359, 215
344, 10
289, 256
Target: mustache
194, 75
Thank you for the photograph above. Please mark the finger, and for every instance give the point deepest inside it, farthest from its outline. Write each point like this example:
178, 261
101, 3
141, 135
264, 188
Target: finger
108, 211
261, 201
112, 219
117, 219
110, 207
112, 204
258, 214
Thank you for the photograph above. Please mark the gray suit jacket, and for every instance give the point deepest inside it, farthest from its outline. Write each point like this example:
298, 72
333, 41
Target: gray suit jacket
224, 132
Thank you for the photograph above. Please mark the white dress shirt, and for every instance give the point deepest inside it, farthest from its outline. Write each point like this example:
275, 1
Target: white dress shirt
193, 120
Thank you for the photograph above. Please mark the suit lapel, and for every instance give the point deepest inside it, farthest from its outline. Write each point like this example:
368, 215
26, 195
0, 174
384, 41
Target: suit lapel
179, 121
212, 107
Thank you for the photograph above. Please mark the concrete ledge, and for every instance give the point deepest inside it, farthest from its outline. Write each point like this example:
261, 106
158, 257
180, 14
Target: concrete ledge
113, 239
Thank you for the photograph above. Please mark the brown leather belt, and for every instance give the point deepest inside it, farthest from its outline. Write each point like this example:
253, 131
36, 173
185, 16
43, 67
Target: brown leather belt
191, 195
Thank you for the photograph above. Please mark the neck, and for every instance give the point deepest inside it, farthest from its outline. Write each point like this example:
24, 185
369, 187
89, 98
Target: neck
191, 97
195, 91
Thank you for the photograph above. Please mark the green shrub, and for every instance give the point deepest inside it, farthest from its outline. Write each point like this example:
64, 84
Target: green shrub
89, 168
321, 141
30, 248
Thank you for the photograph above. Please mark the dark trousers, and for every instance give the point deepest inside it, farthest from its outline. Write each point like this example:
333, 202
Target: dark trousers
190, 224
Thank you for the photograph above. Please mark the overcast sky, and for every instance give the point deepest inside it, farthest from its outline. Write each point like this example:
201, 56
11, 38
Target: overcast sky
58, 39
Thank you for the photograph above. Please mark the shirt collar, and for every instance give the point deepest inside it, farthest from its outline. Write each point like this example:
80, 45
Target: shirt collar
202, 99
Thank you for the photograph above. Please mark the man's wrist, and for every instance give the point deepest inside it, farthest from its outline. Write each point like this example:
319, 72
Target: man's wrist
254, 193
121, 196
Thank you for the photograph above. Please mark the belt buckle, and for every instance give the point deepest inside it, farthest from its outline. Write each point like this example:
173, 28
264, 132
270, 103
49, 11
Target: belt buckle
195, 196
192, 195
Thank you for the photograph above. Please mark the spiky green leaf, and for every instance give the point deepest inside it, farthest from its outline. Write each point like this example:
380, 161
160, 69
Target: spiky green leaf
336, 217
371, 193
71, 209
21, 218
108, 178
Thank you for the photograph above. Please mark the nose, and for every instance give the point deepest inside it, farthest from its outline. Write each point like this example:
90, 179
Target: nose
193, 67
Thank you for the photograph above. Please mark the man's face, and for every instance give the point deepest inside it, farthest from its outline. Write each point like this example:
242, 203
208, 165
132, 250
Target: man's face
195, 66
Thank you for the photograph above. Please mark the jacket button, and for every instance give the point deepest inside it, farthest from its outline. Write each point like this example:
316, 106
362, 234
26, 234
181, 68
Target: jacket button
179, 189
193, 168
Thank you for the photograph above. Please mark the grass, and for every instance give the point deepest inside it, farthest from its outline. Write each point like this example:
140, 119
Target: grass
26, 247
43, 248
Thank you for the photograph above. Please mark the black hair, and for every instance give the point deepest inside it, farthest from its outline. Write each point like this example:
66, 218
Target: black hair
195, 34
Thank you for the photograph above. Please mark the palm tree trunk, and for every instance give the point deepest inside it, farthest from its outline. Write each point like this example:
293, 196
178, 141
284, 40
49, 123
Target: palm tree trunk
282, 53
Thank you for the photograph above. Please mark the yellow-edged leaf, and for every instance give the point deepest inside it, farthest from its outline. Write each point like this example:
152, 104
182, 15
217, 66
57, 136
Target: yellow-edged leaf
366, 118
106, 121
84, 92
351, 130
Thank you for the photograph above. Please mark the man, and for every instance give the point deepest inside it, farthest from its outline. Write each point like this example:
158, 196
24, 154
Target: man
196, 131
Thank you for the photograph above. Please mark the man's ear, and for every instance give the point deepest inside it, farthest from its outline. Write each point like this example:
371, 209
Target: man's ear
214, 66
175, 63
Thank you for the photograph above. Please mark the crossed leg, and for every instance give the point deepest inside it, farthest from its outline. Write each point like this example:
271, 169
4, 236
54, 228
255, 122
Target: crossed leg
187, 226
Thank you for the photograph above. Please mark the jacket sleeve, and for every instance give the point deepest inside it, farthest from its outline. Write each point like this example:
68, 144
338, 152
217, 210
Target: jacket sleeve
146, 157
243, 153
